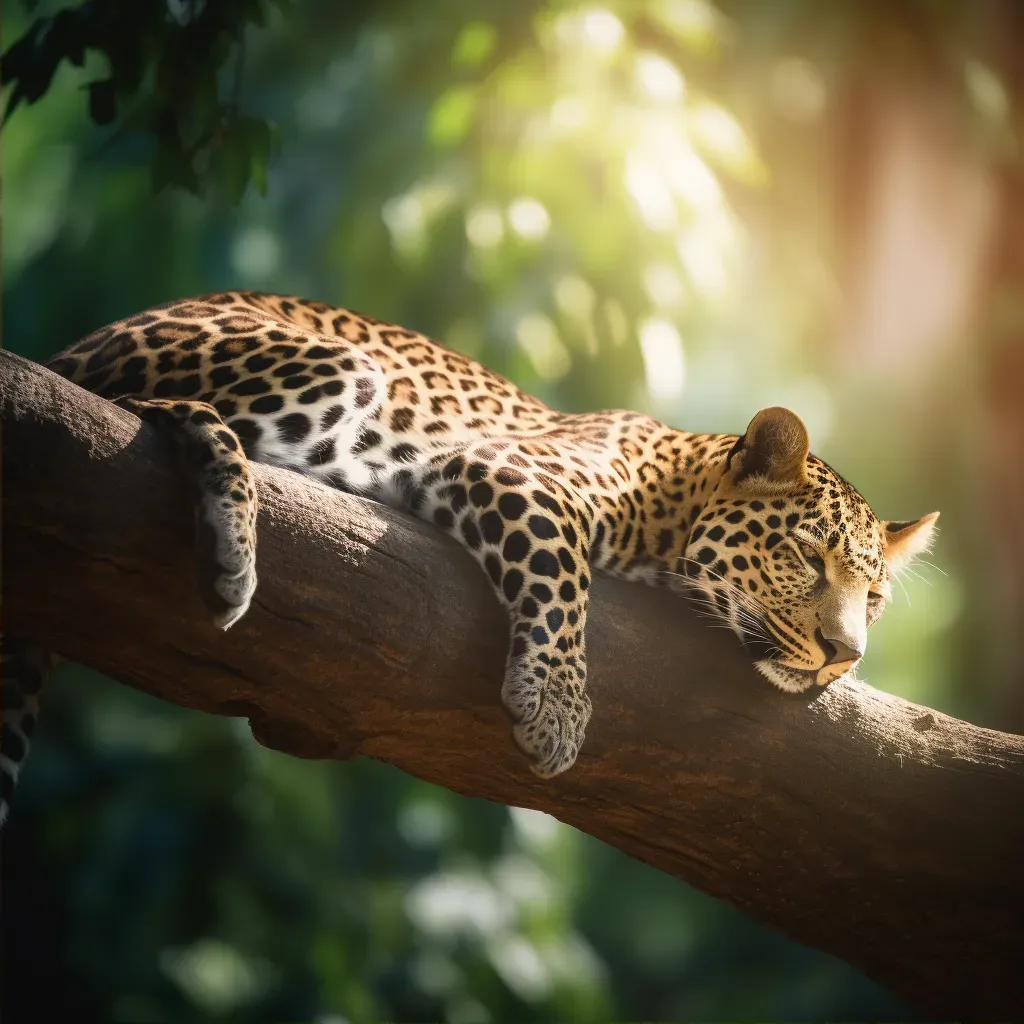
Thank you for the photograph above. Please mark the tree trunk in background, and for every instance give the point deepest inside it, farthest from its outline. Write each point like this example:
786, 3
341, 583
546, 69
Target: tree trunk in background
920, 209
916, 223
1003, 390
1003, 447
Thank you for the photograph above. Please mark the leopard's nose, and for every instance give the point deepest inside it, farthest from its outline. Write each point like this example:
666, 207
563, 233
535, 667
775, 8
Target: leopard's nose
837, 652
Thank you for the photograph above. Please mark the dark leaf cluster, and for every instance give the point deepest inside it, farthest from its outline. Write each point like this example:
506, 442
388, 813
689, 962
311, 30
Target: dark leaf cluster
173, 74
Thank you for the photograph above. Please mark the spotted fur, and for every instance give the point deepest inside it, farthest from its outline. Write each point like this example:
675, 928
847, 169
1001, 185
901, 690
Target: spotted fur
777, 544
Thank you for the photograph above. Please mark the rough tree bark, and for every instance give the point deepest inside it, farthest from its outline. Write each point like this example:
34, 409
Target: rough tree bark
885, 833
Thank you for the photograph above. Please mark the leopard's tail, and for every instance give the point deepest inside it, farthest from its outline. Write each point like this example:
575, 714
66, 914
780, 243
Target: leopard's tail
24, 670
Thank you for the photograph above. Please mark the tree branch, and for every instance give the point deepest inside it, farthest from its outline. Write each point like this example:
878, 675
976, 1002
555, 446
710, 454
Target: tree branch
882, 832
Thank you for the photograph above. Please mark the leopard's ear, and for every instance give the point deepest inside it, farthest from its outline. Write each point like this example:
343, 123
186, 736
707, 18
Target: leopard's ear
904, 541
772, 453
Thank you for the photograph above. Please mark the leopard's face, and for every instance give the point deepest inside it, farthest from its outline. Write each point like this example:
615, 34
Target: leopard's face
793, 558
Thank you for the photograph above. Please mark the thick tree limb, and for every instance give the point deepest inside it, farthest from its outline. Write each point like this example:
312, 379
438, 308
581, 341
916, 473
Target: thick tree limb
885, 833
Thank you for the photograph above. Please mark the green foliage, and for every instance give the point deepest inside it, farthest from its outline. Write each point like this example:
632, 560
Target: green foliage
174, 68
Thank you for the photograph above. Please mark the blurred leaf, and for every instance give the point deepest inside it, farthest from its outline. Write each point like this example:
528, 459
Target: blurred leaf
451, 116
103, 101
236, 159
474, 44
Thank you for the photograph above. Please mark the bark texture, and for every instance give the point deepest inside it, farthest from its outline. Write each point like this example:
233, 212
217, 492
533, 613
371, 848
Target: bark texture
885, 833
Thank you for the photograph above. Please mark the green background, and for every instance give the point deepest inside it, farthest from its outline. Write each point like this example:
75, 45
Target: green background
650, 205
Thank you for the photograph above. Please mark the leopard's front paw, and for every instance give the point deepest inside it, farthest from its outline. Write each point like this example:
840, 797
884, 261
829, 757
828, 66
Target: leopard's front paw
550, 715
236, 591
213, 456
226, 566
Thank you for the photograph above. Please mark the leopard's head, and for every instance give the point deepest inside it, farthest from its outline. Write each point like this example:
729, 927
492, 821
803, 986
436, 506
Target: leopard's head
793, 558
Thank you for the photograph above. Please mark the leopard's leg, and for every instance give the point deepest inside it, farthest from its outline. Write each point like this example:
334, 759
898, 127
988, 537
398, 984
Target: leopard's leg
25, 668
225, 500
531, 536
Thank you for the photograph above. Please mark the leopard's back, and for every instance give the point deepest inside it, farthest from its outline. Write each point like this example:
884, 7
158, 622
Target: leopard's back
257, 353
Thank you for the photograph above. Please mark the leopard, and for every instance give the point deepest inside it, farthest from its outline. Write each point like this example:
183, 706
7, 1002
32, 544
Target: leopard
765, 536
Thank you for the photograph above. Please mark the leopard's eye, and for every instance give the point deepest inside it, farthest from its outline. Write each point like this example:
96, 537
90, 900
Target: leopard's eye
876, 605
811, 556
